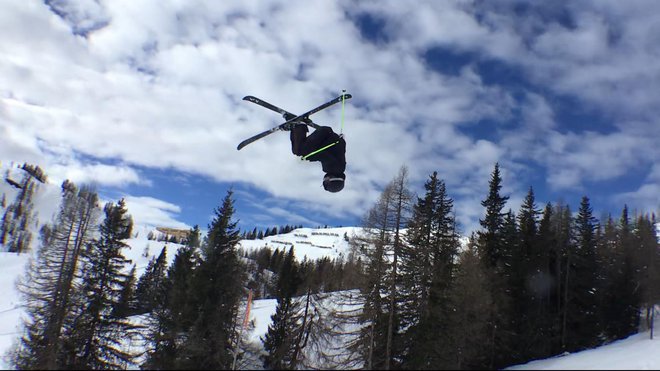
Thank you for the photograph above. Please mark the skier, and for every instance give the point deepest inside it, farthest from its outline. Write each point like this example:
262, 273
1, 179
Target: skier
322, 145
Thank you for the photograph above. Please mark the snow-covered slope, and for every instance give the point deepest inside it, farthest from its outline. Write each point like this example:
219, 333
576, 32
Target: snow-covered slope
308, 242
11, 266
637, 352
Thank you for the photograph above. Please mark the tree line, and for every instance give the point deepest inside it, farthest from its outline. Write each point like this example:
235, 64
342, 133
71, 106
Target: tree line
84, 307
529, 284
15, 231
274, 231
321, 275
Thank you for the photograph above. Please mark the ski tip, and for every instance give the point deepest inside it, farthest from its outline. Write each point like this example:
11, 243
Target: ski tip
347, 96
248, 97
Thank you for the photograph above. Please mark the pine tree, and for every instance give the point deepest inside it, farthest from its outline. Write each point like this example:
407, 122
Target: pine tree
495, 252
530, 282
93, 339
583, 287
48, 287
491, 237
174, 313
470, 299
551, 264
280, 340
647, 264
127, 303
427, 265
150, 285
218, 285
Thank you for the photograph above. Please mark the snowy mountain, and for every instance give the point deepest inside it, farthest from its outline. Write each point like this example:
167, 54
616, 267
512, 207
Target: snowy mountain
308, 243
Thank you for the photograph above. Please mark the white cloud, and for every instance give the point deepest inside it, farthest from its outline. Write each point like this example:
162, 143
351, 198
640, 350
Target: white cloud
154, 212
158, 85
95, 173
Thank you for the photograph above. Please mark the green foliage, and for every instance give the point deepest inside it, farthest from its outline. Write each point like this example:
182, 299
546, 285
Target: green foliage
280, 340
93, 339
150, 288
49, 286
218, 287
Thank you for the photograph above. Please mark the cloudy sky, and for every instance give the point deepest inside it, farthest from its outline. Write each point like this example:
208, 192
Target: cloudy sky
143, 99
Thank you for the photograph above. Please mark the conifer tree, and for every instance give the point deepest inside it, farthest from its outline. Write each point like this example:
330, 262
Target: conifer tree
491, 236
127, 303
14, 226
470, 301
550, 281
648, 264
48, 286
562, 225
150, 285
174, 312
379, 342
427, 265
529, 283
93, 339
280, 340
583, 287
218, 285
494, 251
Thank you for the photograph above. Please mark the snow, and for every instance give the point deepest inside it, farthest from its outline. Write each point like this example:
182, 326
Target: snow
310, 243
11, 266
637, 352
260, 316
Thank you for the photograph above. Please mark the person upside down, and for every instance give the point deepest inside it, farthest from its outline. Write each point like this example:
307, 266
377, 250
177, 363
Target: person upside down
332, 158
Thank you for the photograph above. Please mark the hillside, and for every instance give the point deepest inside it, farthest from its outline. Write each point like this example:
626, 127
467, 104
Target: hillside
307, 242
635, 352
310, 243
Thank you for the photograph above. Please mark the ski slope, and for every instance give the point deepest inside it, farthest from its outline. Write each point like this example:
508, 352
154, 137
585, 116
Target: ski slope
636, 352
310, 243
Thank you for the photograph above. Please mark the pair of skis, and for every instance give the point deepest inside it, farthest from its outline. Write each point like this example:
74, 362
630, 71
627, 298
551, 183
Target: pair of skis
288, 116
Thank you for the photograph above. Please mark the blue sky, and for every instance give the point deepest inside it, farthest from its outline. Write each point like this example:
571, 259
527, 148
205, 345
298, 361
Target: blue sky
143, 99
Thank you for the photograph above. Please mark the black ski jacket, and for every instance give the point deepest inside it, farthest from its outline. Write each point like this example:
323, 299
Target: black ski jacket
333, 159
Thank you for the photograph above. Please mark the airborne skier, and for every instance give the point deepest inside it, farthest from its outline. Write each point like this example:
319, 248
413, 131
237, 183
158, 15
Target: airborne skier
322, 145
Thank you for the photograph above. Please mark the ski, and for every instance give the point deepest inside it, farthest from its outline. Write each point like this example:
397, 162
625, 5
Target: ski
288, 116
259, 136
319, 108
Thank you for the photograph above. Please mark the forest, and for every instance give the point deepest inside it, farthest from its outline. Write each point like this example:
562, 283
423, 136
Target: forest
529, 284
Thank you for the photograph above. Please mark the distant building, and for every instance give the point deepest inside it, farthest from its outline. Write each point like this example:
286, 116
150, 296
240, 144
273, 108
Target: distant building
180, 235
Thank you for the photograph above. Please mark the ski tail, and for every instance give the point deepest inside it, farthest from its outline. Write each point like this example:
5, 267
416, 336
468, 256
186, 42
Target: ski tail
257, 137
